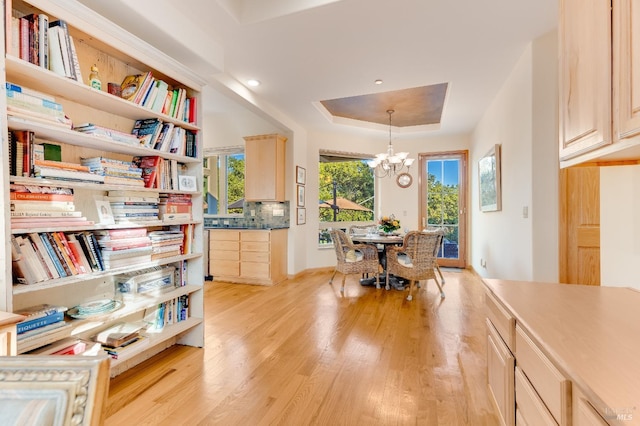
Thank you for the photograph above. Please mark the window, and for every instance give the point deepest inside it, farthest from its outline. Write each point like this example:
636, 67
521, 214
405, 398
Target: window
223, 181
347, 191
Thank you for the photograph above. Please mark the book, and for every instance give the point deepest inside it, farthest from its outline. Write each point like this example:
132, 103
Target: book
56, 63
58, 238
33, 263
44, 253
25, 137
74, 60
64, 165
59, 254
73, 175
35, 323
53, 206
147, 131
44, 213
21, 271
20, 89
131, 85
62, 272
161, 95
86, 249
147, 82
56, 326
74, 245
127, 348
43, 40
31, 196
65, 46
118, 334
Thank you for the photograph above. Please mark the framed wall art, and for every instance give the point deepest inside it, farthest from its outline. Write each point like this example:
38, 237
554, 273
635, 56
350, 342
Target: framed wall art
301, 175
302, 216
489, 177
300, 196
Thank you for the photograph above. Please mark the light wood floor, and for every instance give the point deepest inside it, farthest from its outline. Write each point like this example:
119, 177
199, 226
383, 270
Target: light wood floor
300, 354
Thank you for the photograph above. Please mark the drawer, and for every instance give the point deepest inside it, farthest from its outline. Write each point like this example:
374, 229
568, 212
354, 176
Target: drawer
530, 407
255, 246
224, 245
256, 256
255, 270
552, 387
224, 235
500, 365
256, 236
502, 320
584, 414
223, 268
224, 255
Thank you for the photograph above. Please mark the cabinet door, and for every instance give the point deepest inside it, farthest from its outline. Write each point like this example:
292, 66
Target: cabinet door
626, 67
264, 168
584, 76
500, 374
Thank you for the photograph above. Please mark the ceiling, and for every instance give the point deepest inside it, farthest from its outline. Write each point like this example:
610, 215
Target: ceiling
314, 57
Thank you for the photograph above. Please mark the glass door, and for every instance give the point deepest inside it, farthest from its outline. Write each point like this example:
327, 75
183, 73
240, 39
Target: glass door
443, 195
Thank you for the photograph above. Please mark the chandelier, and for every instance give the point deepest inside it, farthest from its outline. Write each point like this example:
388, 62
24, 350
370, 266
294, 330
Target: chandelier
390, 163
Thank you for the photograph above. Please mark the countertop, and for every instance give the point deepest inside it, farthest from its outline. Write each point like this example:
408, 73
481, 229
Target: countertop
591, 333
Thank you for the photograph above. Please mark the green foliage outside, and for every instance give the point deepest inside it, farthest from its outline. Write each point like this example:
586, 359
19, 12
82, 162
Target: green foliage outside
442, 207
354, 181
235, 180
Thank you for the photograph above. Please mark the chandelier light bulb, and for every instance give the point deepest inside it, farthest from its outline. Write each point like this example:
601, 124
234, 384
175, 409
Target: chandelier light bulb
389, 163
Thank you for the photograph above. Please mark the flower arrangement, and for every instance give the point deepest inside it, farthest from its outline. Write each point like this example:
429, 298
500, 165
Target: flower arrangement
389, 223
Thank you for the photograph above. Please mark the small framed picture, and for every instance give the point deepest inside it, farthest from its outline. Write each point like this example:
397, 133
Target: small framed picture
302, 216
105, 215
301, 175
300, 196
186, 183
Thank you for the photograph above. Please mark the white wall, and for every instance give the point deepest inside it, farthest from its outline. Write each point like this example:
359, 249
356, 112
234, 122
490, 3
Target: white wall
619, 226
522, 120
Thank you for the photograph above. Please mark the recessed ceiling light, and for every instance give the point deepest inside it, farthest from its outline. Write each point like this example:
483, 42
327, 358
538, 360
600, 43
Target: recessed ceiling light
253, 83
378, 82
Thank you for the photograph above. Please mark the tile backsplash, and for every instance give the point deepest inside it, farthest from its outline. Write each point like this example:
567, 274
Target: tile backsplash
257, 215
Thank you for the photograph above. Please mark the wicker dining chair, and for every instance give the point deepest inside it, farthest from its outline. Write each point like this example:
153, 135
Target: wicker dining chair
440, 232
353, 258
415, 260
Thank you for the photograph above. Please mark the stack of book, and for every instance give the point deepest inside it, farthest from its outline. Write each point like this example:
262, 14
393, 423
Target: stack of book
121, 338
107, 133
133, 206
115, 172
43, 206
166, 243
32, 105
175, 207
40, 319
124, 247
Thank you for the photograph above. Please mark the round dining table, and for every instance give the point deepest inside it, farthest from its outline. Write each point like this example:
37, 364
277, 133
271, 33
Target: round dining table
384, 240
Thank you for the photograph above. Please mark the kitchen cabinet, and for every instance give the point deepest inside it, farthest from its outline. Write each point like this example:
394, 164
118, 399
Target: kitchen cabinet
264, 168
500, 370
598, 79
574, 361
249, 256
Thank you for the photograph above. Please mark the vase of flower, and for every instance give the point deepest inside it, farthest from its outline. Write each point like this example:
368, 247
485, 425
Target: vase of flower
388, 224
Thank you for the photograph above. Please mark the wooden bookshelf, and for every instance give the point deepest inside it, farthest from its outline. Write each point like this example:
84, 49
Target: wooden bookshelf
117, 54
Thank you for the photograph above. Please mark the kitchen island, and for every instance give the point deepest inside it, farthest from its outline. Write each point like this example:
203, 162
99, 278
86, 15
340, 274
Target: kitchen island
563, 354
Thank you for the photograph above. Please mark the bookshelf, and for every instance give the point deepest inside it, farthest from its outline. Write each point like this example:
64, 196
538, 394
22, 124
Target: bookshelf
117, 54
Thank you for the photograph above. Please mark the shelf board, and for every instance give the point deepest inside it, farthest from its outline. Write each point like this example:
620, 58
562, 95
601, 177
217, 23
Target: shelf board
43, 80
93, 186
60, 134
45, 285
83, 326
99, 227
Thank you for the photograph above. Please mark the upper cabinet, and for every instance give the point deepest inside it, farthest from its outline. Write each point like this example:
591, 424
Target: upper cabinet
598, 104
264, 167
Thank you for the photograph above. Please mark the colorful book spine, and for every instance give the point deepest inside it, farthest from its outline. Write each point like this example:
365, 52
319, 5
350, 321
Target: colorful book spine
53, 255
28, 325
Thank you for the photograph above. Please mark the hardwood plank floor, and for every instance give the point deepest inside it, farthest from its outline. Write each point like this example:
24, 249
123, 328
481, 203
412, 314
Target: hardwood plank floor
300, 354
